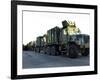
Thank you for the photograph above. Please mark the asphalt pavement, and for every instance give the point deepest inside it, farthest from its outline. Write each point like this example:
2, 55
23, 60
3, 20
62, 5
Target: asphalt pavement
32, 59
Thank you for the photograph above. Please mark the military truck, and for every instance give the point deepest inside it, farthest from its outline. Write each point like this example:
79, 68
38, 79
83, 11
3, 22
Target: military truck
67, 40
72, 42
39, 44
53, 41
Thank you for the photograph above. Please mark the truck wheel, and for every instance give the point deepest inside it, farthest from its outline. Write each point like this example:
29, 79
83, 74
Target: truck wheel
53, 50
50, 50
54, 53
86, 52
73, 51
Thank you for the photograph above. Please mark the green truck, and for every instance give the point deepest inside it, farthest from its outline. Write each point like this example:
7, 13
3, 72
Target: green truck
67, 41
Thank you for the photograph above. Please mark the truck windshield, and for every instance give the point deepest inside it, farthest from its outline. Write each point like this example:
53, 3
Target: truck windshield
85, 37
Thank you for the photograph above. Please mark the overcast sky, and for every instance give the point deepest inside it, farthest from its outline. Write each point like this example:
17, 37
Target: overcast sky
37, 23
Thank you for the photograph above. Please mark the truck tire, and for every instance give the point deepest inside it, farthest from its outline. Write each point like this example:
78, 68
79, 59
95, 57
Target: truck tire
73, 51
48, 50
86, 52
53, 51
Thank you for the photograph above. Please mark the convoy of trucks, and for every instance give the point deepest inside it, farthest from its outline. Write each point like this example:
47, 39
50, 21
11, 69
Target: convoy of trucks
67, 40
